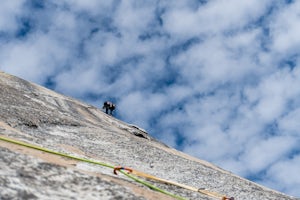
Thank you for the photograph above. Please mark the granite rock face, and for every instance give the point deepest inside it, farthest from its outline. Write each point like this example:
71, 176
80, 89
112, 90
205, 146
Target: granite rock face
39, 116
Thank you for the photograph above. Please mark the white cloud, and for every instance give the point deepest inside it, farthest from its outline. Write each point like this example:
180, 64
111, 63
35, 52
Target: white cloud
133, 17
34, 58
289, 123
284, 172
9, 11
215, 17
285, 29
272, 95
264, 153
93, 7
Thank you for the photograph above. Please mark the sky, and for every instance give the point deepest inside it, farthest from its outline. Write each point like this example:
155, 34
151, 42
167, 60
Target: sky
218, 79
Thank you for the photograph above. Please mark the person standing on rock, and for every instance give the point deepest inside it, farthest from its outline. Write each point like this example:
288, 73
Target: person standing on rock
109, 107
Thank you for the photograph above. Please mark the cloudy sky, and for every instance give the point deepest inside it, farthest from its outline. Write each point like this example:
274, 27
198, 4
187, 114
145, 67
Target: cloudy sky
217, 79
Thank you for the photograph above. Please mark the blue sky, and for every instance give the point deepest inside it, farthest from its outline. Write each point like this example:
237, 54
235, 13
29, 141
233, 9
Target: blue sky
216, 79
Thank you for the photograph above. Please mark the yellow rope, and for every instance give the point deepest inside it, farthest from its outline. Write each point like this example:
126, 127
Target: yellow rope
202, 191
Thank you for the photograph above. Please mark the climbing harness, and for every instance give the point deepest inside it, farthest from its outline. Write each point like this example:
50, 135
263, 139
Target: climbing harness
127, 172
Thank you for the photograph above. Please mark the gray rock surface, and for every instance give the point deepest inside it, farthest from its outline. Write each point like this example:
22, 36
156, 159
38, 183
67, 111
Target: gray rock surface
39, 116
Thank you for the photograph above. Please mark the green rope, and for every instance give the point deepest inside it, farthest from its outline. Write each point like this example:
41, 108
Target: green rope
152, 186
92, 162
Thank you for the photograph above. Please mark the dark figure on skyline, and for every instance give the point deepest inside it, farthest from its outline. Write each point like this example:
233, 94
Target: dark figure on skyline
109, 107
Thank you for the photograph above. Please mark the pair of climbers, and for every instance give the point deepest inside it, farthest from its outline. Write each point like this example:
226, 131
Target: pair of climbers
109, 107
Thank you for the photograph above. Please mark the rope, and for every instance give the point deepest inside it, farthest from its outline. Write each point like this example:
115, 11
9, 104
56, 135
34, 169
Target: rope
55, 152
200, 190
127, 172
92, 162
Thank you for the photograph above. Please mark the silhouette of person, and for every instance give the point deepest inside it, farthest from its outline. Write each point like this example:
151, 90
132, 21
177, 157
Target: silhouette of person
109, 107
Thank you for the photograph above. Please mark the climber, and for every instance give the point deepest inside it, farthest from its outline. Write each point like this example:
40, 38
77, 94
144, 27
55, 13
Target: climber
108, 106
